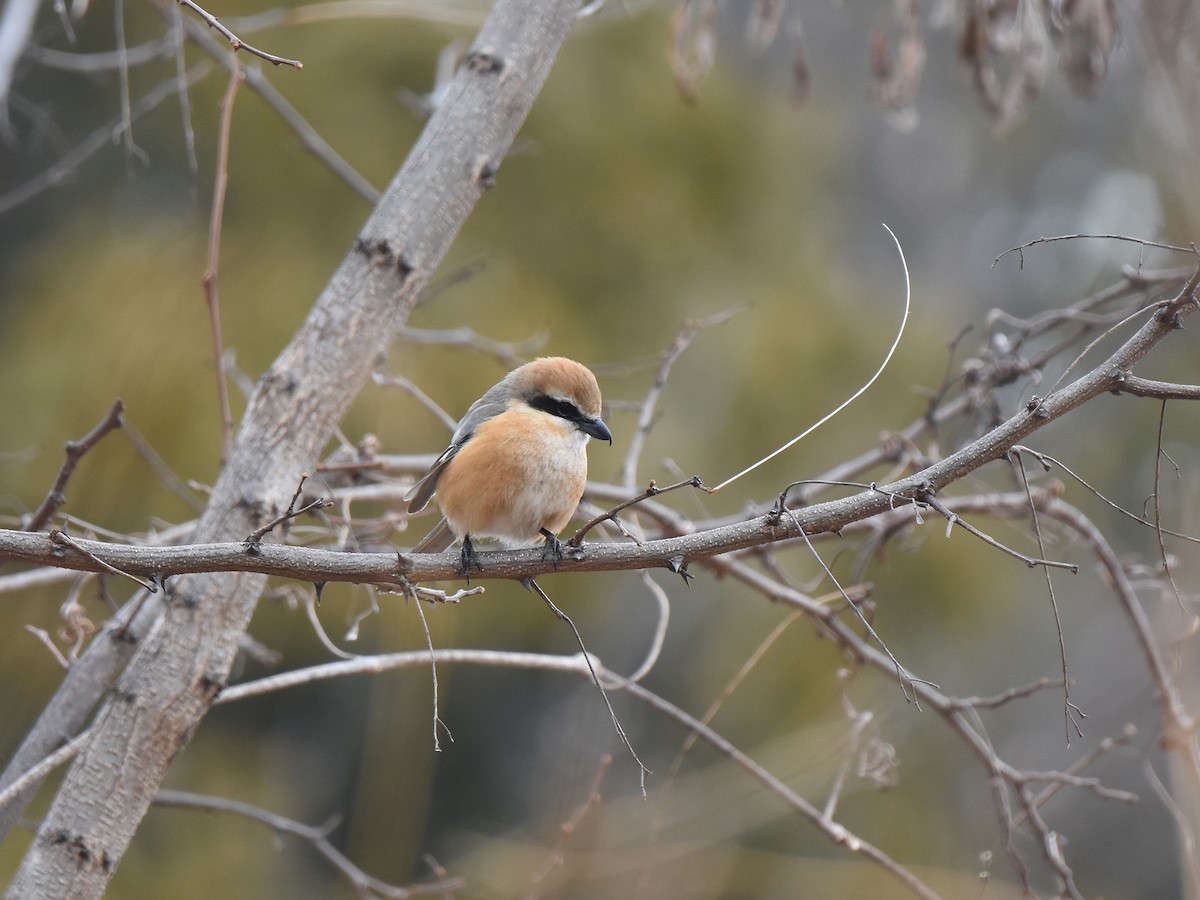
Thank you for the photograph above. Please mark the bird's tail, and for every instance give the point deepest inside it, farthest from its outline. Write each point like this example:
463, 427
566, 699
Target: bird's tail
437, 540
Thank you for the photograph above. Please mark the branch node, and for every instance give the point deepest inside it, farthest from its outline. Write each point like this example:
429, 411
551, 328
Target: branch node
484, 61
483, 172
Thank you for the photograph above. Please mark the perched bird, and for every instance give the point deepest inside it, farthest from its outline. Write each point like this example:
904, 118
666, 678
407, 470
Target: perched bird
516, 467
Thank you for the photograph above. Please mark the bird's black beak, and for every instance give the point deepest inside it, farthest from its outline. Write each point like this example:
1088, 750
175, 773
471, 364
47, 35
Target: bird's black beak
596, 428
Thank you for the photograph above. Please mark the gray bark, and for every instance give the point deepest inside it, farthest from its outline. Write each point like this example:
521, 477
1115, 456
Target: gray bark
185, 658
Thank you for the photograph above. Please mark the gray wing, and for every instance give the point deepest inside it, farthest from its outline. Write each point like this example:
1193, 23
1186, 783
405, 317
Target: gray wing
494, 402
437, 540
419, 494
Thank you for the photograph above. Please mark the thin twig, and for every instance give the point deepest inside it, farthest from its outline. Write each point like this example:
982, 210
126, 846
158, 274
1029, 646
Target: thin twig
1183, 821
1070, 778
904, 677
291, 512
1097, 340
652, 490
44, 636
835, 831
1069, 708
75, 451
660, 628
1180, 728
437, 719
953, 518
536, 588
236, 42
1158, 529
60, 537
209, 281
309, 136
310, 608
883, 769
1016, 693
100, 139
1045, 458
315, 835
123, 71
178, 45
649, 405
384, 378
42, 769
1021, 248
510, 355
732, 685
101, 61
170, 480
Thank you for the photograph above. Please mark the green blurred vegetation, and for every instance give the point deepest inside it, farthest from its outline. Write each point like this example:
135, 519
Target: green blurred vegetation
622, 213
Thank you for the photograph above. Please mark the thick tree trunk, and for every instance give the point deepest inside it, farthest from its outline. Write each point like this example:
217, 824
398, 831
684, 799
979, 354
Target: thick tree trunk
185, 658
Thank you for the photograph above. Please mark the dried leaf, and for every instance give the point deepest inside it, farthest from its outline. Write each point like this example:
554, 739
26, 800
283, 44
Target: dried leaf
1085, 36
897, 79
762, 24
693, 45
1007, 47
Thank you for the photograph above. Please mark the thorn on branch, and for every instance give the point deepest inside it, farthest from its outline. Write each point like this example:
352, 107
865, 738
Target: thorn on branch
679, 566
403, 566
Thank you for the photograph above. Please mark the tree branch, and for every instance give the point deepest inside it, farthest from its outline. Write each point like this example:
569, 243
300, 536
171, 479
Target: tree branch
75, 451
317, 565
315, 835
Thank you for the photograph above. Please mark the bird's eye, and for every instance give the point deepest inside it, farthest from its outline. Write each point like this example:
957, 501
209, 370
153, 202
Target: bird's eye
561, 408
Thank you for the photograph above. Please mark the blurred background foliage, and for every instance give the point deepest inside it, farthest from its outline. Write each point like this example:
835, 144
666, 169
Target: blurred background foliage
623, 212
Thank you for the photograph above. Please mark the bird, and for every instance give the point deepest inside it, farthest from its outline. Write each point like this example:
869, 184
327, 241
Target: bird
516, 466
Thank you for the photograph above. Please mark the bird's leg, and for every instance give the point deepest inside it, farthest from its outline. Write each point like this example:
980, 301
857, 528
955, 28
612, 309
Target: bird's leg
470, 560
552, 547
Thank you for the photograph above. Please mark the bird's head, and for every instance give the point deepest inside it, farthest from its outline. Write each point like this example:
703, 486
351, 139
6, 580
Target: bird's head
563, 388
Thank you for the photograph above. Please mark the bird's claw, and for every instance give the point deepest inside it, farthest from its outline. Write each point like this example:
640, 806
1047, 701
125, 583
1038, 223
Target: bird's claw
469, 558
552, 549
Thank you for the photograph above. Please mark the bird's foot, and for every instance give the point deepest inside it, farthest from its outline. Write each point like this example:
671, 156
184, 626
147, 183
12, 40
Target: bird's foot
552, 549
469, 558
